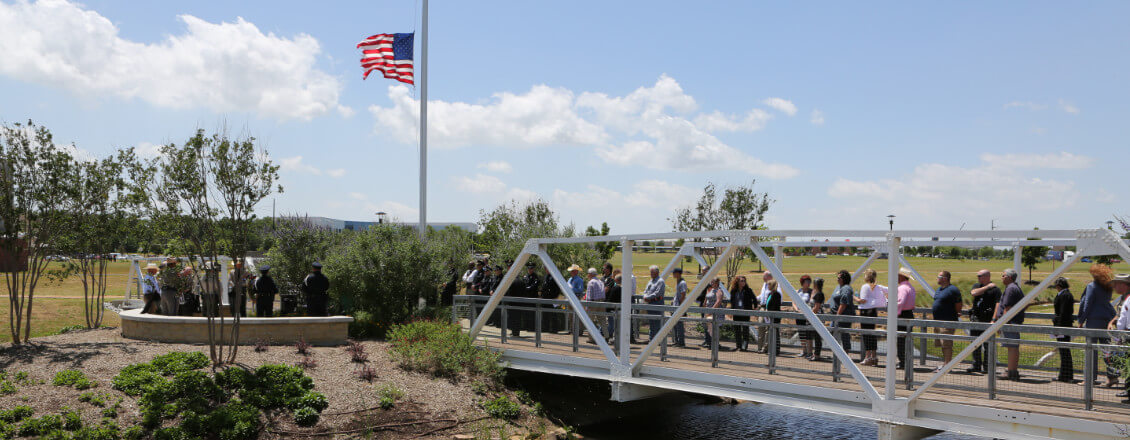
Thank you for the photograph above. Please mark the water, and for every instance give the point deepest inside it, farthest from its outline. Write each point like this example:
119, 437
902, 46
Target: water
584, 404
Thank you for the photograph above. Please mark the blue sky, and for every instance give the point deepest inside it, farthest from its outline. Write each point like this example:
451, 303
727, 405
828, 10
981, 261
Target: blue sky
942, 114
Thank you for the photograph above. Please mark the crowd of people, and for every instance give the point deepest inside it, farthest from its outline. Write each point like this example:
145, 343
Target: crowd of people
173, 290
1103, 305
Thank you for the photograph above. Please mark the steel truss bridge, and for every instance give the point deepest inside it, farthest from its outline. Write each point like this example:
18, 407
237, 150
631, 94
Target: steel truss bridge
930, 395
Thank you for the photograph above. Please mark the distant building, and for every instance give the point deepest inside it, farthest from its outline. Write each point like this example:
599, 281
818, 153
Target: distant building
353, 225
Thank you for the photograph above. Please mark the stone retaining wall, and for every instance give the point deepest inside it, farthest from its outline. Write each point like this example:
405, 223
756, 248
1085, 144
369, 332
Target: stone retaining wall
329, 330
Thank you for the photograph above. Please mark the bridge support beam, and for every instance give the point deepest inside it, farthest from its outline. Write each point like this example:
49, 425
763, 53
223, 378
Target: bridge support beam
627, 392
895, 431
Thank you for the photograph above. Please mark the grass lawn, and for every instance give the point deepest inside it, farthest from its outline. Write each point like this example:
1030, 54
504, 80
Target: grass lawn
50, 314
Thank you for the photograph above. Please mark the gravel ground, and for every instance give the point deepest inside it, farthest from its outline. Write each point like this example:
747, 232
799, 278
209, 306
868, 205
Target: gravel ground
101, 353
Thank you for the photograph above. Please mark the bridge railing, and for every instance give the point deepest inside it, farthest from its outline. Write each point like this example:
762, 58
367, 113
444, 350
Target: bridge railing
710, 345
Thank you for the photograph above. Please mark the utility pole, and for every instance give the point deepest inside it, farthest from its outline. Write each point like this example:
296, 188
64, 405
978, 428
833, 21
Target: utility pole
891, 219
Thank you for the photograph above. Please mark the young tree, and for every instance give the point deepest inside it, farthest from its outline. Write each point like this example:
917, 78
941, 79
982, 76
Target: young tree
605, 249
740, 208
98, 218
1030, 256
35, 183
506, 228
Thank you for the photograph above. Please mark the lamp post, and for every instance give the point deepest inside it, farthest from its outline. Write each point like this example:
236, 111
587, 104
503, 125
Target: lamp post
380, 217
1110, 224
891, 220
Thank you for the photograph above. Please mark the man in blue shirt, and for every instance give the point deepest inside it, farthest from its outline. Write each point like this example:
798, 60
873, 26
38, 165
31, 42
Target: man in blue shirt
680, 296
947, 307
575, 281
653, 295
1011, 298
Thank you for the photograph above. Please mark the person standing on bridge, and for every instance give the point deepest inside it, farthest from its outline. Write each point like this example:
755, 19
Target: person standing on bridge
817, 304
1121, 286
1096, 312
763, 329
806, 336
773, 304
985, 295
741, 298
680, 296
595, 293
653, 294
947, 307
1012, 296
872, 298
1064, 304
315, 286
551, 322
843, 302
906, 299
607, 277
713, 300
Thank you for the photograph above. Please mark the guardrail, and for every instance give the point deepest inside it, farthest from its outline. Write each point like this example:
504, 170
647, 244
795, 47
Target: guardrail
1039, 345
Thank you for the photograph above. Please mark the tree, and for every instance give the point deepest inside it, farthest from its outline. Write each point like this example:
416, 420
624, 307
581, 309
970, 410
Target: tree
1030, 256
507, 227
740, 208
605, 249
207, 192
35, 183
99, 215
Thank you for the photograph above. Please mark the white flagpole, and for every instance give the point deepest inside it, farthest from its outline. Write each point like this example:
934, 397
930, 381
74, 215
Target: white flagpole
424, 123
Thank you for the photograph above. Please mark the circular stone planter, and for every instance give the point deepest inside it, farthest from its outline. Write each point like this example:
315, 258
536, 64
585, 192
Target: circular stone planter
323, 330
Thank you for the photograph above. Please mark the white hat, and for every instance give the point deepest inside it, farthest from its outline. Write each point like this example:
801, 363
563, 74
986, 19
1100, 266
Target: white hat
573, 267
906, 272
152, 266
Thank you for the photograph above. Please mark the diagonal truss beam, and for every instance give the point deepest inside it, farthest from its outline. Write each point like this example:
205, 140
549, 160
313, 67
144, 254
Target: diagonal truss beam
686, 304
579, 309
921, 280
818, 325
496, 298
875, 250
992, 330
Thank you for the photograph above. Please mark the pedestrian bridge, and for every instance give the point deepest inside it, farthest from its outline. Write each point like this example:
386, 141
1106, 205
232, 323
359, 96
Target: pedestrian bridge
929, 396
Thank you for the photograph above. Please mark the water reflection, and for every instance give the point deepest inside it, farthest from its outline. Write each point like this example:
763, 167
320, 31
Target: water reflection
584, 404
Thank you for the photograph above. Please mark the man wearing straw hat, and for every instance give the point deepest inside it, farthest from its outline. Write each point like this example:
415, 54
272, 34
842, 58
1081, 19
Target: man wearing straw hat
151, 291
171, 283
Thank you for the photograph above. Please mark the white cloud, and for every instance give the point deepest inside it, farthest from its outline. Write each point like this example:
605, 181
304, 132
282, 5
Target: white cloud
782, 105
479, 184
498, 166
1104, 196
717, 121
1025, 105
1068, 107
396, 211
541, 117
817, 117
358, 196
652, 126
937, 194
148, 149
220, 66
297, 165
647, 194
1060, 161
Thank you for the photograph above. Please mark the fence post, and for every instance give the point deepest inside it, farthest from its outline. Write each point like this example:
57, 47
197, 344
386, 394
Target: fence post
1089, 366
991, 364
717, 335
663, 342
537, 327
908, 370
474, 312
576, 332
771, 346
502, 322
835, 359
922, 343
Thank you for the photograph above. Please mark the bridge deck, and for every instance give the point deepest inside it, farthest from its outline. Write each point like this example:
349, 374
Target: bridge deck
1030, 394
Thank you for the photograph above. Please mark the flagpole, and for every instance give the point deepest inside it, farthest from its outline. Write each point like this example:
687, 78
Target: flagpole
424, 123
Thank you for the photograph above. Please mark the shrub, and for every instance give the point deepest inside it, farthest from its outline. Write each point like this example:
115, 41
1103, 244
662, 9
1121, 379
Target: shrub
306, 417
70, 328
386, 402
276, 385
442, 349
360, 357
7, 387
137, 378
503, 408
71, 419
16, 414
479, 388
176, 362
311, 399
72, 378
235, 378
366, 373
390, 391
105, 432
302, 346
41, 425
21, 378
98, 400
307, 363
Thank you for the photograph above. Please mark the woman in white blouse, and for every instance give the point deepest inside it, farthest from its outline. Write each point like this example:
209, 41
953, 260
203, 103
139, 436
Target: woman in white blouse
872, 298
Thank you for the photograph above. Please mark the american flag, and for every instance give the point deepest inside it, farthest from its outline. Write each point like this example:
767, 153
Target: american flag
391, 54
